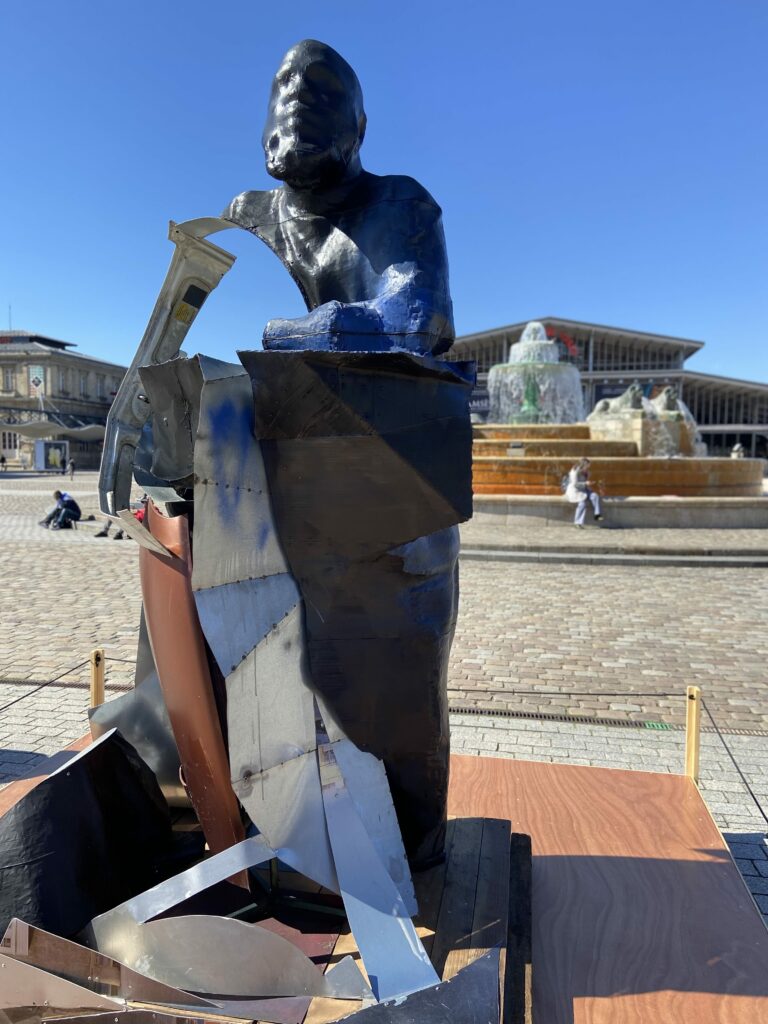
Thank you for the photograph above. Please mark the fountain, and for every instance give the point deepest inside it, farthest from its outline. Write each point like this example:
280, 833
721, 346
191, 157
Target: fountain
640, 449
534, 386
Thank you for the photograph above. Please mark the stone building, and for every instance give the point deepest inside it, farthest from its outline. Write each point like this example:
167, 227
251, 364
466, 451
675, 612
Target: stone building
611, 358
42, 379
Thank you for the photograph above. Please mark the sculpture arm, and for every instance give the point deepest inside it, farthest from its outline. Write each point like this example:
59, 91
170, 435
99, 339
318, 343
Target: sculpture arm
401, 315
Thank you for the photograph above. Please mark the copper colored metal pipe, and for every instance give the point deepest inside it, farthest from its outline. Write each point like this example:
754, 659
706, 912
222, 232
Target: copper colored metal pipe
185, 679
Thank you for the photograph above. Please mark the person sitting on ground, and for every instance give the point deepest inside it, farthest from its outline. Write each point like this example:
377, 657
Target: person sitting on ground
66, 512
579, 491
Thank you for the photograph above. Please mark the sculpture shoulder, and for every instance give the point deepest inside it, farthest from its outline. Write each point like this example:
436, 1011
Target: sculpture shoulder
401, 188
250, 209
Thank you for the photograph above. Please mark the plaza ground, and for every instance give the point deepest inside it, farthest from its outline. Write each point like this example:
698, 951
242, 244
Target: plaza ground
586, 664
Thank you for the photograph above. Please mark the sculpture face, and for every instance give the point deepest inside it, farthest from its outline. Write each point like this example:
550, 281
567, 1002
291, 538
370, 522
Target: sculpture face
315, 122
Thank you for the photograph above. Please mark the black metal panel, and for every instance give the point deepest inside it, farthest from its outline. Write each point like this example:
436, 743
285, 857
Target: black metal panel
470, 997
368, 459
86, 838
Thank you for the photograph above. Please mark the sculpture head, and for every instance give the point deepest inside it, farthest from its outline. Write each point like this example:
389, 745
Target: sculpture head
315, 121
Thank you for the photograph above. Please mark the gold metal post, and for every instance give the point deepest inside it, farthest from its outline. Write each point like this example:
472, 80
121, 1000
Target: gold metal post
97, 677
692, 732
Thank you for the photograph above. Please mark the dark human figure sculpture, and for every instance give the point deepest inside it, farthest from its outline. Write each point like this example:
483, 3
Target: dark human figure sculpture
368, 254
367, 251
362, 434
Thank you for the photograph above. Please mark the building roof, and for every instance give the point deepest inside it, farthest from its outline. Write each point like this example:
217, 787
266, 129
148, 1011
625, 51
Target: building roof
19, 337
38, 344
717, 381
579, 325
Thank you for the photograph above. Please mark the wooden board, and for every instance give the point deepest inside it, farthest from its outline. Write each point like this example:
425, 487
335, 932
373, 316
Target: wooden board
639, 913
463, 906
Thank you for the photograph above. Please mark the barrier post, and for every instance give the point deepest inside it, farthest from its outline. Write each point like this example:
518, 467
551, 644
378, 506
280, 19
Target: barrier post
692, 732
97, 677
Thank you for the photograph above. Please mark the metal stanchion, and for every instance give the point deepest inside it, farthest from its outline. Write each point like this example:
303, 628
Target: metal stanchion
96, 662
692, 732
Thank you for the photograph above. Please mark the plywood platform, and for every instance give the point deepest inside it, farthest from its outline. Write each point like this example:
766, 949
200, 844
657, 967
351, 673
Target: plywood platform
640, 915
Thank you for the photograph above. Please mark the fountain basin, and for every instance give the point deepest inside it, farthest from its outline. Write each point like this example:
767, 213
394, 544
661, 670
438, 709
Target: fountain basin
622, 477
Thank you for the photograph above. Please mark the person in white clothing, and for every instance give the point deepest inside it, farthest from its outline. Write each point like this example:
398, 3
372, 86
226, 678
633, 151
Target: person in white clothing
579, 492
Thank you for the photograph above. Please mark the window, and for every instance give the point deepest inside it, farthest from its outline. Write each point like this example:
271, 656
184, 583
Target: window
83, 385
100, 386
62, 377
9, 441
9, 378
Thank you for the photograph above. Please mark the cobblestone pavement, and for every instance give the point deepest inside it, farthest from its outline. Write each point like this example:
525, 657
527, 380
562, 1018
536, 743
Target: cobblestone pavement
614, 639
727, 798
63, 593
632, 631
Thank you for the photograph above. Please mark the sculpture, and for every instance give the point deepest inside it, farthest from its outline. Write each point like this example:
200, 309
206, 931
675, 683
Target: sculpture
662, 426
299, 574
367, 252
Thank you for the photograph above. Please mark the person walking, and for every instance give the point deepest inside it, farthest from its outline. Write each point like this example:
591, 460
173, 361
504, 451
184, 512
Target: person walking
3, 463
579, 491
71, 469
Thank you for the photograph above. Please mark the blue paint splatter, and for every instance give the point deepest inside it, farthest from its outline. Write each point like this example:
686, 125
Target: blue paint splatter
230, 427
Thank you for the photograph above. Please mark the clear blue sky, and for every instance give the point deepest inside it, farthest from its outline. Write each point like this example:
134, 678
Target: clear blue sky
605, 160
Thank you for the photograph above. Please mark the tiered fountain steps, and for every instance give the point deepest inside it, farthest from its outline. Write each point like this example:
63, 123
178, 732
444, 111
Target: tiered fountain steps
531, 431
529, 461
570, 449
621, 477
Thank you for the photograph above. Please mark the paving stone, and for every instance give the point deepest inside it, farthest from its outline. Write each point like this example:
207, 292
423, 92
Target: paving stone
502, 602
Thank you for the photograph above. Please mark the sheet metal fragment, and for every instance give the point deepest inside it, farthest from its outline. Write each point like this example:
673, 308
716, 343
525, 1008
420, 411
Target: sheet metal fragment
247, 854
235, 617
286, 805
275, 1011
237, 539
226, 957
270, 710
394, 958
126, 520
173, 391
22, 985
366, 781
95, 971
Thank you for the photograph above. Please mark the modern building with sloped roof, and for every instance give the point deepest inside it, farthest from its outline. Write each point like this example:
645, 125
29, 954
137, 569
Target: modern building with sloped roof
611, 358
